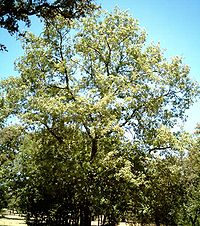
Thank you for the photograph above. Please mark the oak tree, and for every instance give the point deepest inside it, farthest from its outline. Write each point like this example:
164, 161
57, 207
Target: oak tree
95, 100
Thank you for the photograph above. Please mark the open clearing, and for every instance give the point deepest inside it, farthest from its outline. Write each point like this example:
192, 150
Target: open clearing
14, 220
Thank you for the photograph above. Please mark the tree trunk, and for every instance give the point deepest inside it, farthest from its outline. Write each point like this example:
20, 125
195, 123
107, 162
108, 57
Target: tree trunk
85, 216
157, 221
94, 149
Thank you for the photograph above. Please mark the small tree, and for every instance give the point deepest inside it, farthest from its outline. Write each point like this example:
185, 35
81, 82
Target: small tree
10, 140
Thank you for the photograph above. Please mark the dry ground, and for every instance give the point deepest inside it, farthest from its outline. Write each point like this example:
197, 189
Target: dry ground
14, 220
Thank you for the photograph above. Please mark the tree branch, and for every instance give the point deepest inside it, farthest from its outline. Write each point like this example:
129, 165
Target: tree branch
59, 138
159, 148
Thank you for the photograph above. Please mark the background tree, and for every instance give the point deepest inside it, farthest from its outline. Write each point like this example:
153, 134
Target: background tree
96, 101
14, 11
191, 207
10, 140
165, 190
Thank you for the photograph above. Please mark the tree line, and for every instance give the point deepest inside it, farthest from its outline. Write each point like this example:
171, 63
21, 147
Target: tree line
87, 127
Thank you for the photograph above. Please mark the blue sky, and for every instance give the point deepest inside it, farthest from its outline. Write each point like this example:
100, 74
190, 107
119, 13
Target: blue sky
173, 23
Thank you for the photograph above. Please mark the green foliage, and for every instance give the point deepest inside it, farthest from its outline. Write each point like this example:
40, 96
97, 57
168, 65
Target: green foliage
165, 190
10, 140
191, 206
96, 103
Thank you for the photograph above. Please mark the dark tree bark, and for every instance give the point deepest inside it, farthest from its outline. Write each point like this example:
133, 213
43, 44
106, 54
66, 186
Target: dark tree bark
85, 216
94, 149
157, 221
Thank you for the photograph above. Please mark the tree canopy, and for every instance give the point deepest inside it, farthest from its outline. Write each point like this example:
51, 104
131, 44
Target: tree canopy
96, 103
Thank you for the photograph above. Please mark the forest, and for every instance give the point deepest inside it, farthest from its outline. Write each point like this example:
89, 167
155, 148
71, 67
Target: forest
89, 130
